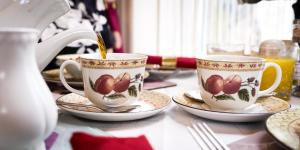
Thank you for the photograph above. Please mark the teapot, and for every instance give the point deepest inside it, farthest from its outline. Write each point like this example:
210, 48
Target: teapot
28, 113
39, 14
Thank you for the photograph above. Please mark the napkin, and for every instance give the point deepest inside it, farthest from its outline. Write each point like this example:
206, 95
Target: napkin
181, 62
81, 141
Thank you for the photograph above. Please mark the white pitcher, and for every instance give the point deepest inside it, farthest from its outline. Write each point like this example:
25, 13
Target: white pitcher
39, 14
28, 113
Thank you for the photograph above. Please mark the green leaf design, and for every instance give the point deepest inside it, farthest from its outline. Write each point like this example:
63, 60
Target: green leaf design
244, 95
224, 97
92, 84
132, 91
115, 96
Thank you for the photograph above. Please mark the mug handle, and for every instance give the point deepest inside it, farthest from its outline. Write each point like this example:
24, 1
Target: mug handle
62, 77
276, 82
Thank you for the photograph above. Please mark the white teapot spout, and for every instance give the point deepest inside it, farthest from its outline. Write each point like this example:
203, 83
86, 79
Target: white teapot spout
48, 49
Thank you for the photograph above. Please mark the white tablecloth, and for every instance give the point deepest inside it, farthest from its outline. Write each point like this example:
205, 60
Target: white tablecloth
165, 131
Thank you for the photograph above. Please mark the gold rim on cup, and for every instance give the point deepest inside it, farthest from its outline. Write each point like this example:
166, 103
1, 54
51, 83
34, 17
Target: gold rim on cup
227, 65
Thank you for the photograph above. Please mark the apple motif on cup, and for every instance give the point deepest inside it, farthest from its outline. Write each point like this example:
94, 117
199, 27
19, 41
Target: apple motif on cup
232, 84
122, 82
104, 84
222, 89
114, 88
214, 84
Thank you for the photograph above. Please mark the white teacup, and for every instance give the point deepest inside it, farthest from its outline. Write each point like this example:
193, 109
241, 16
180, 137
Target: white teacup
230, 82
113, 82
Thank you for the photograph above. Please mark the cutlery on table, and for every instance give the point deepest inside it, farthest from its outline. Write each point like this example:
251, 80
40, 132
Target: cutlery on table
205, 137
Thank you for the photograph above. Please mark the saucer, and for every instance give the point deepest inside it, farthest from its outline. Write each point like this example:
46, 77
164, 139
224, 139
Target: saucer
151, 104
52, 76
263, 108
285, 128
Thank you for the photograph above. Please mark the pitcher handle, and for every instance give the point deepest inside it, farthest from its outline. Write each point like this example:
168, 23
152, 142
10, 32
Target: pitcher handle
277, 79
62, 77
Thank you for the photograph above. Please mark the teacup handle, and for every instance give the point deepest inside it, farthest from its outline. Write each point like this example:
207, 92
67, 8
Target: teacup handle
62, 77
277, 80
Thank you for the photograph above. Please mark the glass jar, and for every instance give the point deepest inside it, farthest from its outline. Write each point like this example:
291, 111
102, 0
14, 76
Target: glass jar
295, 47
276, 51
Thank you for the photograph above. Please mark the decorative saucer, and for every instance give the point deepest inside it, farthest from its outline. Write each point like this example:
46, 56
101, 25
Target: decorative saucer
263, 108
151, 104
285, 128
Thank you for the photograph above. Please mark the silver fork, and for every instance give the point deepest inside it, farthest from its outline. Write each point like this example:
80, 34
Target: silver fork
205, 137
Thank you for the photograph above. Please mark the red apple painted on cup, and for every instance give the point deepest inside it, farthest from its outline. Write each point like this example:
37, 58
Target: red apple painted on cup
122, 82
104, 84
107, 83
232, 84
214, 84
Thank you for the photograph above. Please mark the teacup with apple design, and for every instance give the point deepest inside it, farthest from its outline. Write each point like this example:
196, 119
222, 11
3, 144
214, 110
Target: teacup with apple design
111, 82
230, 82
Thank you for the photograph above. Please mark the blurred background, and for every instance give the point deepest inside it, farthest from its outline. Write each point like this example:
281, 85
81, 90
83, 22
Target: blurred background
185, 27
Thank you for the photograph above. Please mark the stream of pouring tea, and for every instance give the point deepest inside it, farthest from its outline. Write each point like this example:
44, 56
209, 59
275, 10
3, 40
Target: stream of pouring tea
101, 46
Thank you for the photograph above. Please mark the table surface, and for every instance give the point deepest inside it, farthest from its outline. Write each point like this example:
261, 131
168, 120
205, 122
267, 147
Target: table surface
164, 131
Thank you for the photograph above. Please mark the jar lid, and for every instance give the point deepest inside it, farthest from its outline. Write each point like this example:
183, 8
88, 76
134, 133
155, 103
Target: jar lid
271, 47
288, 44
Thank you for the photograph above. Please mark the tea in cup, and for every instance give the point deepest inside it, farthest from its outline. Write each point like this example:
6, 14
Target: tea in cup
111, 82
229, 82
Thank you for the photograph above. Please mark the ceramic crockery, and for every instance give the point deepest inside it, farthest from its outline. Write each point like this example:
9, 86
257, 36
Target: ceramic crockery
112, 82
230, 82
151, 103
39, 14
28, 112
285, 128
52, 76
263, 108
